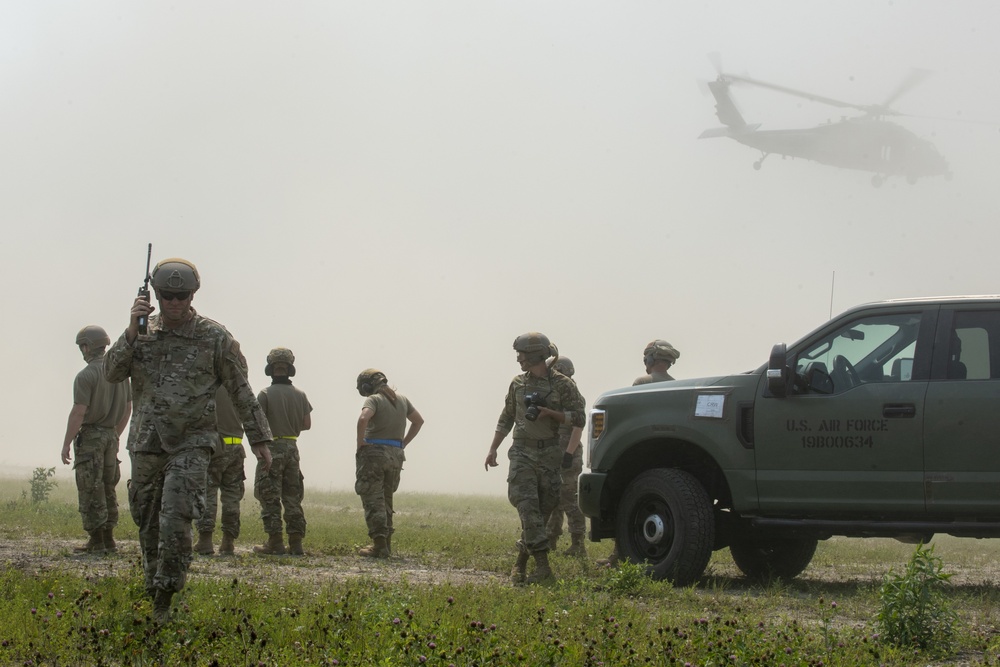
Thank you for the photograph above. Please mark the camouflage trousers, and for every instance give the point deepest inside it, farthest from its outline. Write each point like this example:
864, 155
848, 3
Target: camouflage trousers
568, 503
377, 478
533, 488
226, 479
281, 486
166, 493
98, 472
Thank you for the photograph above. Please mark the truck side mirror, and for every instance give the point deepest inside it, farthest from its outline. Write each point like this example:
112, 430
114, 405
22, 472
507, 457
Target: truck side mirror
778, 374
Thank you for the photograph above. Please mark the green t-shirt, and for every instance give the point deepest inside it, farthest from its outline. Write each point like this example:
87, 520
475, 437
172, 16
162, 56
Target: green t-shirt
286, 408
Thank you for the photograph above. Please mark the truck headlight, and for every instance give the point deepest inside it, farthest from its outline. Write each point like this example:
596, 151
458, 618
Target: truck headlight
596, 424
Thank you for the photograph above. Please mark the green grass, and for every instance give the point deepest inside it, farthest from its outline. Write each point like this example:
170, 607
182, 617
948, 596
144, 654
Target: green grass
92, 611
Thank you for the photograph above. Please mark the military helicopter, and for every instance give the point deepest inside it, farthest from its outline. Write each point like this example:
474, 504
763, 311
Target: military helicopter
866, 143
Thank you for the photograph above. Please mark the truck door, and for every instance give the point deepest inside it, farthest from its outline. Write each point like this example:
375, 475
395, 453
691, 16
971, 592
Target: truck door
962, 416
850, 435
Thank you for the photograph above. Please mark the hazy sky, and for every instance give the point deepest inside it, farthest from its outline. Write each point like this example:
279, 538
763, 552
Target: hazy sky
410, 185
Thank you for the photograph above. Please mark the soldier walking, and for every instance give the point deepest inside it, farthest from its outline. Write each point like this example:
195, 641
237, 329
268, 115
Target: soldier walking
379, 457
538, 401
287, 410
99, 415
226, 480
176, 366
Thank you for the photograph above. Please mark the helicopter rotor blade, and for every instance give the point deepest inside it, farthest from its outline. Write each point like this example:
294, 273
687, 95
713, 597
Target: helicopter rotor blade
911, 81
792, 91
716, 61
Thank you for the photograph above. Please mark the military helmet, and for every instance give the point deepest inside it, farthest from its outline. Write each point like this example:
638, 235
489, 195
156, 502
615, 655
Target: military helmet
535, 345
564, 366
660, 350
370, 380
94, 336
280, 355
176, 274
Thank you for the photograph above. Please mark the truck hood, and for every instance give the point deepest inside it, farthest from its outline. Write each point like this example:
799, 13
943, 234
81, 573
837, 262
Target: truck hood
748, 379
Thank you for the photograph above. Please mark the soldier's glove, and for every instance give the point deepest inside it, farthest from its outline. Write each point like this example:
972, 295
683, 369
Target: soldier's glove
567, 461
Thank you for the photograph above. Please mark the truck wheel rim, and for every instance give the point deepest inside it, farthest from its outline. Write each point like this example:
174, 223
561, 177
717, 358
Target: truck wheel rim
653, 529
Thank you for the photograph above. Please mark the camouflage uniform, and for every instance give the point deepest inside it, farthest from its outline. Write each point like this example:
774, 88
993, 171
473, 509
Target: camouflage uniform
286, 408
175, 374
379, 464
535, 456
226, 476
95, 448
568, 502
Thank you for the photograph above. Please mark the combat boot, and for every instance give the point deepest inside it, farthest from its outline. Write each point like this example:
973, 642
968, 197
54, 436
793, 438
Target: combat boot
377, 549
273, 546
226, 546
161, 606
109, 539
204, 546
553, 541
95, 545
295, 544
542, 571
520, 570
577, 548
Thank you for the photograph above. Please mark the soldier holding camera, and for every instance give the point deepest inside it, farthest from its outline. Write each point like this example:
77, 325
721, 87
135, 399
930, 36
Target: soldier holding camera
538, 402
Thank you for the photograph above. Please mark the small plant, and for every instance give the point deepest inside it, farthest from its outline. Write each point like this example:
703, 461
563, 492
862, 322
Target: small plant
913, 611
627, 578
42, 484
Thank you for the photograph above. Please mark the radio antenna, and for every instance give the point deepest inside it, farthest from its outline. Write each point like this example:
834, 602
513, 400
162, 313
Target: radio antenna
833, 282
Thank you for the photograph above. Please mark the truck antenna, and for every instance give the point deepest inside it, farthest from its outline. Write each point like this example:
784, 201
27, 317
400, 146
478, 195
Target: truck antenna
833, 281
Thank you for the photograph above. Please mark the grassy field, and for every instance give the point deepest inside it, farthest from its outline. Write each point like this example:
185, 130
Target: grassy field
443, 599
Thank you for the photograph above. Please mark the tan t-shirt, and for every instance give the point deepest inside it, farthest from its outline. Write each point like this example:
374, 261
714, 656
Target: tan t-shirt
106, 402
226, 417
286, 408
389, 421
656, 376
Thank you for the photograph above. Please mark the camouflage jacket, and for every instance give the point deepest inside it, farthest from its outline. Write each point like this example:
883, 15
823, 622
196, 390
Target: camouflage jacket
175, 374
558, 393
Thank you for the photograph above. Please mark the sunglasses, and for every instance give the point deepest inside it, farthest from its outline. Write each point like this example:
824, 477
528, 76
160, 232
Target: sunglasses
170, 296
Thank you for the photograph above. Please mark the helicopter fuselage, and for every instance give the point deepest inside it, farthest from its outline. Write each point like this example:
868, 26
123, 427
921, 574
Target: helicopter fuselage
865, 144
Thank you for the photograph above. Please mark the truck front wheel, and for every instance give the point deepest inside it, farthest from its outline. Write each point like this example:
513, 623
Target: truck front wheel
665, 521
763, 559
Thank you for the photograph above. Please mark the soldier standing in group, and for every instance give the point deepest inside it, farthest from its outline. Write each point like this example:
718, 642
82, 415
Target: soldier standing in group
379, 457
287, 410
572, 466
657, 357
226, 480
538, 402
176, 366
99, 415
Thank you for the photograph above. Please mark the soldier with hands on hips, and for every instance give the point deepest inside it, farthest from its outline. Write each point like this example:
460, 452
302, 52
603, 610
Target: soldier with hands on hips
99, 416
176, 366
382, 436
538, 402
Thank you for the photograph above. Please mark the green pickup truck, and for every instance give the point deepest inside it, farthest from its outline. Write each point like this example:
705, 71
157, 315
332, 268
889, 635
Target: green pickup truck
884, 422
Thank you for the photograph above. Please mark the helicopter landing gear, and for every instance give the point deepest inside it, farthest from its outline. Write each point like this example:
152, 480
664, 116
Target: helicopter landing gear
758, 163
878, 180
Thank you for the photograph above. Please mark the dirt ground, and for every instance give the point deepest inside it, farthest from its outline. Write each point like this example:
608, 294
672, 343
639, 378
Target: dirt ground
35, 555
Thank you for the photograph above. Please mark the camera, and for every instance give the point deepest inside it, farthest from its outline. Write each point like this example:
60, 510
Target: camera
533, 402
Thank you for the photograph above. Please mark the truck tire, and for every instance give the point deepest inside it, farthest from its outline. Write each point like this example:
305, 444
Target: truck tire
665, 521
764, 559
